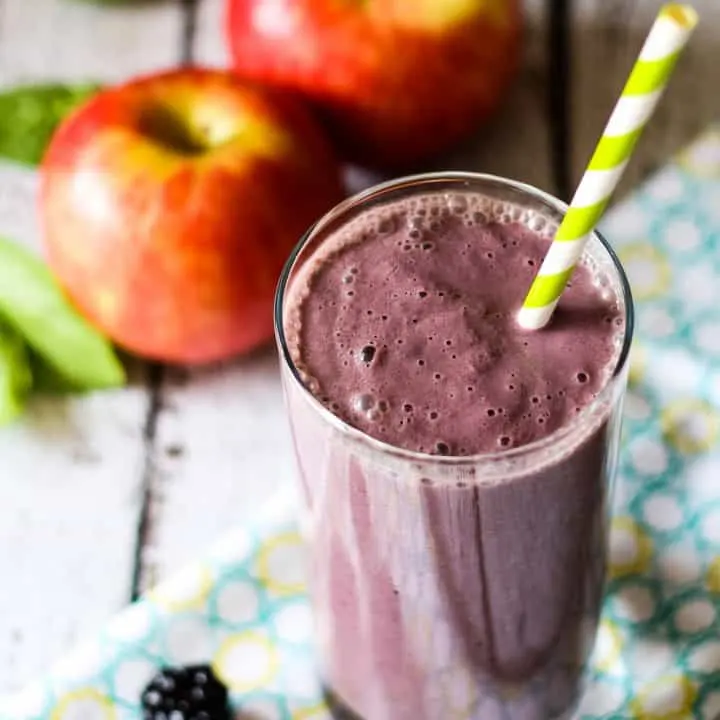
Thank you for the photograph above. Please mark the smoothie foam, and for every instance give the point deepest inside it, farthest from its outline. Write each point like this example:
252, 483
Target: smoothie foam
406, 329
445, 589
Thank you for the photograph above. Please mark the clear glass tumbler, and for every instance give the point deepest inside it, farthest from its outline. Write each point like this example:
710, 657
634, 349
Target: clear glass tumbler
455, 587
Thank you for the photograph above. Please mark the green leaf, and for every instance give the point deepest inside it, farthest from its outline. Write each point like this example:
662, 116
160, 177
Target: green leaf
47, 380
15, 376
31, 301
30, 114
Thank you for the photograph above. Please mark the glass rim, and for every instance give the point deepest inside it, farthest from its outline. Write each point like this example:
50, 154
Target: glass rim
413, 181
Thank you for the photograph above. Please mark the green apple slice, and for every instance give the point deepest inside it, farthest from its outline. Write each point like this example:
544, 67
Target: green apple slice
33, 304
15, 376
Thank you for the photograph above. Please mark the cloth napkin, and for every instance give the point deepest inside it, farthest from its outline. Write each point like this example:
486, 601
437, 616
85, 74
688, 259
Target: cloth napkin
243, 605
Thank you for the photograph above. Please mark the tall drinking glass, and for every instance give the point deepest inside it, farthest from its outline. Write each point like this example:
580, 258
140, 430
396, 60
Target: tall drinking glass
453, 586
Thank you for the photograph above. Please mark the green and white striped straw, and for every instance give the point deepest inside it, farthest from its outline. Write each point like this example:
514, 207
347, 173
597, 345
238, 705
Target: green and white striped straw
646, 83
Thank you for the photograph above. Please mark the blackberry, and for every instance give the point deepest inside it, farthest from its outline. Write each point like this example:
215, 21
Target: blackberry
185, 693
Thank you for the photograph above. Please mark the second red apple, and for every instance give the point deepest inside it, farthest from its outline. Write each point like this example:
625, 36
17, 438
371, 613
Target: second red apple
397, 80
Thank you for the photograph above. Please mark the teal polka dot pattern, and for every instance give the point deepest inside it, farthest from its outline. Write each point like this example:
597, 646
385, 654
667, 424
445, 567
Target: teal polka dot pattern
242, 608
657, 656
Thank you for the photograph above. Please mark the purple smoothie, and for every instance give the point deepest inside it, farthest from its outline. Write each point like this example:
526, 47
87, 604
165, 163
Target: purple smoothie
465, 580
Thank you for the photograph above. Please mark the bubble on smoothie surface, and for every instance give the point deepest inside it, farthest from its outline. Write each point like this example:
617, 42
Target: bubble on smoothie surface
405, 321
367, 353
363, 402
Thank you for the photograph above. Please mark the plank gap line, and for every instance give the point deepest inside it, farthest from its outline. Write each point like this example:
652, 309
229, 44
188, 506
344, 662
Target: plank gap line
189, 31
558, 95
154, 381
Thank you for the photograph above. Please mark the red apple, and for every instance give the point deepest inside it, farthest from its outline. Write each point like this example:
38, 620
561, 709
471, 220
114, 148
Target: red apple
398, 80
169, 205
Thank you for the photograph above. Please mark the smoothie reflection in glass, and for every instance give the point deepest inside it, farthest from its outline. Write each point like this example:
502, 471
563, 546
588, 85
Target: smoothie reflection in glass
455, 469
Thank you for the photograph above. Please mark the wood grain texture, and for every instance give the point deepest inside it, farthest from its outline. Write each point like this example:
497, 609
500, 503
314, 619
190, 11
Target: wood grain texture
76, 39
70, 470
222, 441
222, 450
69, 499
608, 35
210, 46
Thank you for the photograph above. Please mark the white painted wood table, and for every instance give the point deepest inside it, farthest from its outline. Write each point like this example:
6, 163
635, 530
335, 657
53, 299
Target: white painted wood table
102, 495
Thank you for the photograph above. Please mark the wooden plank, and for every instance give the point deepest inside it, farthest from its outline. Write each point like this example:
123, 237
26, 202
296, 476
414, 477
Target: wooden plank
222, 450
608, 35
222, 439
72, 39
210, 46
70, 471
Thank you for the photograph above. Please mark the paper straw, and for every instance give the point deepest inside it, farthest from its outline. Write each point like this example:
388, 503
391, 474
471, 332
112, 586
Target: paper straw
646, 83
